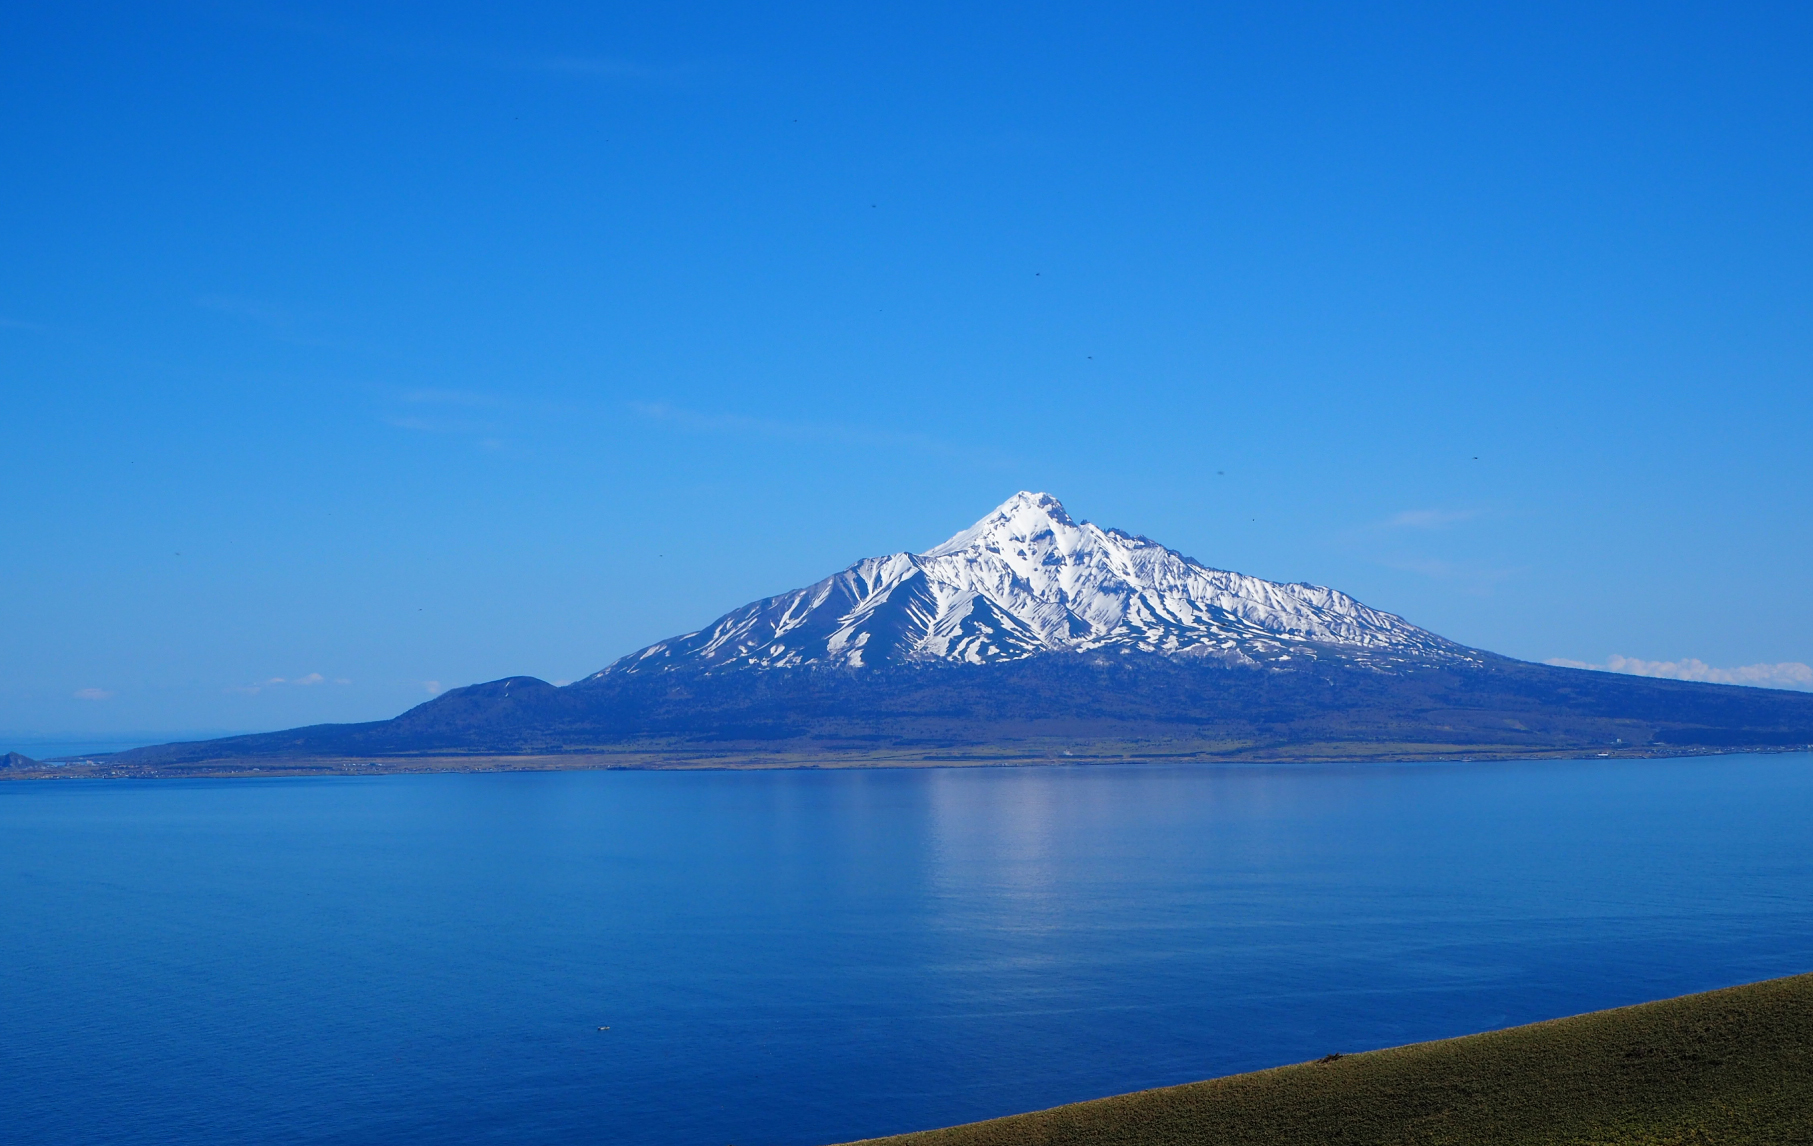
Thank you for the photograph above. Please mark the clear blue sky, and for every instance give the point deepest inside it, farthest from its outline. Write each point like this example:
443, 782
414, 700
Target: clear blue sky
441, 342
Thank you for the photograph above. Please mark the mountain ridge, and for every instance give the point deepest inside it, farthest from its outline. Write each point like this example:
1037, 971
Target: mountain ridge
1032, 635
1028, 579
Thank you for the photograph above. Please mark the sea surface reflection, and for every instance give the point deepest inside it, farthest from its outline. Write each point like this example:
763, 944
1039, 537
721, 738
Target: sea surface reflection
813, 956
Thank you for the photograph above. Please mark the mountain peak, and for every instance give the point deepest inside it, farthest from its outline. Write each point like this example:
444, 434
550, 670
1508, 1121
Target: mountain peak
1022, 517
1027, 580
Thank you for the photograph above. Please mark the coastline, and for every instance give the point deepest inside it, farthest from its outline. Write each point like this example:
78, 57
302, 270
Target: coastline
751, 760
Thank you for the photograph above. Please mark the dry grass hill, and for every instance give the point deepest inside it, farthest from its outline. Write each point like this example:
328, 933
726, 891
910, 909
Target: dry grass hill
1725, 1067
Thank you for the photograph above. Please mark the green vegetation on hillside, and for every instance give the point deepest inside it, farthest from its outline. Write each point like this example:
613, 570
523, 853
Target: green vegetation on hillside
1727, 1067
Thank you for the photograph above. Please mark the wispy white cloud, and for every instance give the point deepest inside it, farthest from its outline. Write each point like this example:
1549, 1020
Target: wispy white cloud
467, 428
304, 681
1787, 674
262, 313
430, 395
1394, 543
425, 425
599, 67
361, 36
19, 324
466, 413
1470, 576
1429, 518
93, 694
284, 324
433, 686
784, 430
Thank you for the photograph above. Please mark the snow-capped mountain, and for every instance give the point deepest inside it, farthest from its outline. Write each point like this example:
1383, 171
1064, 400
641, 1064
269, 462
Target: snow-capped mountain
1026, 580
1096, 644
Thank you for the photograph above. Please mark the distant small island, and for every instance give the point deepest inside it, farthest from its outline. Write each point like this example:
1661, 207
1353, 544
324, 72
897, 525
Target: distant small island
1726, 1066
1028, 637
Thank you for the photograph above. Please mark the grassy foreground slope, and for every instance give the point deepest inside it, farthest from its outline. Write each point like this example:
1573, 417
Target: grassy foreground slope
1730, 1066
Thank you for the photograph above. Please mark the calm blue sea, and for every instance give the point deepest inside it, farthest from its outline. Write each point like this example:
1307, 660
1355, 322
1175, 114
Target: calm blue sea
807, 957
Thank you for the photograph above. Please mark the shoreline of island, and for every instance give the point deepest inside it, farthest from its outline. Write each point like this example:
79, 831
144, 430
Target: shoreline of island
749, 760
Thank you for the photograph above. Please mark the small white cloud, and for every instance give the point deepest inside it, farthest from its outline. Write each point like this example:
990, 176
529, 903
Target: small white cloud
1429, 518
432, 685
311, 678
341, 680
92, 694
1787, 674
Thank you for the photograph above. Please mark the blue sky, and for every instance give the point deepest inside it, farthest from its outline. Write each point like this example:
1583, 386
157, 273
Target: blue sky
393, 348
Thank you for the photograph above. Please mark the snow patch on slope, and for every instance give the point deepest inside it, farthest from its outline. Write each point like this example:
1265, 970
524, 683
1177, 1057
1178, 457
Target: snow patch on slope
1028, 579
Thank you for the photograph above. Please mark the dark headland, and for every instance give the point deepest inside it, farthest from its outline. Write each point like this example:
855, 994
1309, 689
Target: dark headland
1726, 1067
1027, 637
1056, 709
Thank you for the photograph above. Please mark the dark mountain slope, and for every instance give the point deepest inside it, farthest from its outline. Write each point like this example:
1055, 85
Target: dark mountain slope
1061, 702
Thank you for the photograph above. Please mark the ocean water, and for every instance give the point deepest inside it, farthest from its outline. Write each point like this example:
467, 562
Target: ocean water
814, 956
